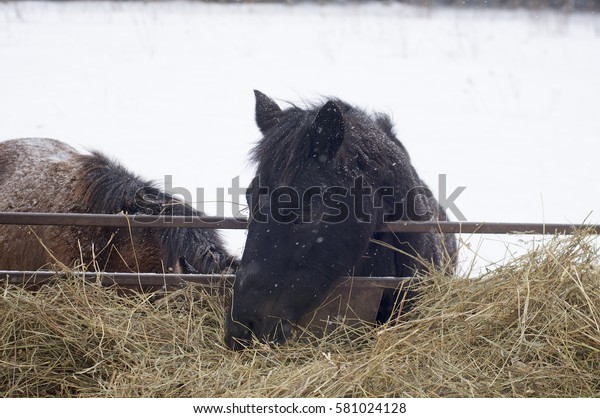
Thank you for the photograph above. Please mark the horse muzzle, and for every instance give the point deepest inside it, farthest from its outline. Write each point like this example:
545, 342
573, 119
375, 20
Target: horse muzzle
239, 334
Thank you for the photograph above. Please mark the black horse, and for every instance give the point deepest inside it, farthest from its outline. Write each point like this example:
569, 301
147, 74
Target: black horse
327, 179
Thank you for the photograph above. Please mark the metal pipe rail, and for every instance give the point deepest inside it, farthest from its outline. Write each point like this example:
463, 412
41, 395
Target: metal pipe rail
122, 279
215, 222
353, 298
170, 280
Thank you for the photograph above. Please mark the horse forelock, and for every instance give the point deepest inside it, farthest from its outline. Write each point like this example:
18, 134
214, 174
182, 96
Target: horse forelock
370, 146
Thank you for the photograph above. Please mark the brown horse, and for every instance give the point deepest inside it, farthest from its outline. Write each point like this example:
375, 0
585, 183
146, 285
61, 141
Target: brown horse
45, 175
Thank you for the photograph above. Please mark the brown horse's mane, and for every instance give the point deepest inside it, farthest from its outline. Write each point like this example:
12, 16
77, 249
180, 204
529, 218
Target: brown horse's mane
108, 187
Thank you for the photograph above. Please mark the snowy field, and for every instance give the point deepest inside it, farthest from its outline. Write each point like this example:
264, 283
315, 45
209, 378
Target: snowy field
505, 103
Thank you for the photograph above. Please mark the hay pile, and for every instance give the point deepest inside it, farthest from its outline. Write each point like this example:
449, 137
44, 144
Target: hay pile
528, 329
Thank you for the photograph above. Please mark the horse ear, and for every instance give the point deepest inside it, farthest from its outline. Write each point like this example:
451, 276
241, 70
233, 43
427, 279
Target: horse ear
327, 132
267, 111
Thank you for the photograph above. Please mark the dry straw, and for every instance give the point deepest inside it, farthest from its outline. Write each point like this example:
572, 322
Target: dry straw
528, 329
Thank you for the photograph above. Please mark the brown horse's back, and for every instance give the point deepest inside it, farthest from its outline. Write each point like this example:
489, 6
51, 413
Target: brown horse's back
36, 175
30, 166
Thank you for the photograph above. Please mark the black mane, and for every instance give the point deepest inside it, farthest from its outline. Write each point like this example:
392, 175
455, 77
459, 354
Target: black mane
111, 188
284, 149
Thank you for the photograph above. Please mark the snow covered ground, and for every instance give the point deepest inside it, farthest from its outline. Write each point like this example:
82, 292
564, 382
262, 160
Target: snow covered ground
502, 102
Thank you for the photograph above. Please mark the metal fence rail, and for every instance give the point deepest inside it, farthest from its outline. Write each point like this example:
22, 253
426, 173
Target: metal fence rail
170, 280
215, 222
122, 279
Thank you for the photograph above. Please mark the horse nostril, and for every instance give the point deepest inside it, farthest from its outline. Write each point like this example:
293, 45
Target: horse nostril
236, 345
236, 342
281, 332
238, 335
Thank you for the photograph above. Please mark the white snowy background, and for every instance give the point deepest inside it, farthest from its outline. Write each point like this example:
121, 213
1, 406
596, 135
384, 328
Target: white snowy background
505, 103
